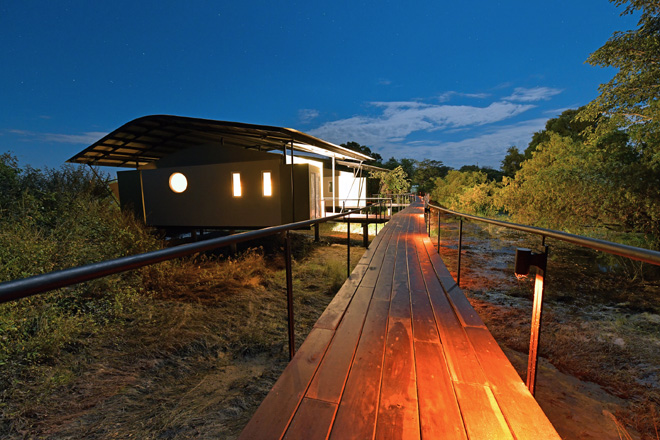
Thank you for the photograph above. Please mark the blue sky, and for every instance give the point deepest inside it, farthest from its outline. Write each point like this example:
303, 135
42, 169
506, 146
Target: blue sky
458, 82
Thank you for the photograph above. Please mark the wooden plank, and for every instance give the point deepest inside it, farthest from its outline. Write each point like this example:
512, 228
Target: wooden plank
398, 416
521, 411
385, 280
329, 380
481, 414
276, 411
373, 272
464, 309
439, 414
356, 416
400, 303
459, 301
383, 288
462, 361
423, 320
312, 420
332, 315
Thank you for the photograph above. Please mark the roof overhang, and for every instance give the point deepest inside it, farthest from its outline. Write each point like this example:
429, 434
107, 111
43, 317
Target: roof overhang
148, 139
361, 165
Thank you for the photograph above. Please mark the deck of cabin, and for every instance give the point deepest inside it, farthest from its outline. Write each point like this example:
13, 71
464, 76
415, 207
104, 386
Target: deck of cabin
400, 353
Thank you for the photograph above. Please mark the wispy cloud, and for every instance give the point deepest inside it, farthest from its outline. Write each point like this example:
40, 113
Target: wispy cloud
535, 94
83, 138
487, 149
306, 115
400, 119
446, 96
456, 134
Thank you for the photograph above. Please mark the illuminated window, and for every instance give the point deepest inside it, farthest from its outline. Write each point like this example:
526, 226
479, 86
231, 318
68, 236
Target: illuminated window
178, 182
268, 186
236, 184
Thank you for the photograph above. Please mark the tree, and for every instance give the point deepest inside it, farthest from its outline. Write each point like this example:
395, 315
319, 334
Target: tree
630, 98
572, 185
491, 174
391, 163
426, 172
512, 161
392, 182
566, 124
364, 150
466, 191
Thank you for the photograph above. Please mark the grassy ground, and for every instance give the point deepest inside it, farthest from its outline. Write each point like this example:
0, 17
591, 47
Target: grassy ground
601, 320
191, 356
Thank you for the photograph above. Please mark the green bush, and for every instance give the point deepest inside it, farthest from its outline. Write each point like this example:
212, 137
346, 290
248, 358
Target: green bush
466, 191
55, 219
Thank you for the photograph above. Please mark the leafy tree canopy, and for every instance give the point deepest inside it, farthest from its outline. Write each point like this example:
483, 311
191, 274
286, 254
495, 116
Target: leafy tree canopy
491, 174
630, 98
426, 172
566, 125
468, 191
408, 165
512, 161
392, 182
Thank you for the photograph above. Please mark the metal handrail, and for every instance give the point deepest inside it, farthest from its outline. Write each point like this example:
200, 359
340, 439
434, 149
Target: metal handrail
16, 289
25, 287
632, 252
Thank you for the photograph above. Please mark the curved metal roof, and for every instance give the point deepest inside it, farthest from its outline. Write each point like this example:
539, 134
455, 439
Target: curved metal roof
150, 138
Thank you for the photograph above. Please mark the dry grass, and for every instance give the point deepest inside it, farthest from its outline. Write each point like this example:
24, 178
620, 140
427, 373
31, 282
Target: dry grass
193, 359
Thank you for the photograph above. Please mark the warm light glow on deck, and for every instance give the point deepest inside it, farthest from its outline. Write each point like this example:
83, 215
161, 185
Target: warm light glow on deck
178, 182
236, 184
268, 187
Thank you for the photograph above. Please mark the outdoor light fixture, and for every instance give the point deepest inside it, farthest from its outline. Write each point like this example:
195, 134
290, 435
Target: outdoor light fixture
268, 187
178, 182
525, 259
236, 184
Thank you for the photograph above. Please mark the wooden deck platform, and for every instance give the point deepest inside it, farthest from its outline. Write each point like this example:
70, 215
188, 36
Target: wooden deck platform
400, 353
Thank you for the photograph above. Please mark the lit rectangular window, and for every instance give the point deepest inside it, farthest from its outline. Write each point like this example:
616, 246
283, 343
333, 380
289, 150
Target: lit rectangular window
268, 186
236, 184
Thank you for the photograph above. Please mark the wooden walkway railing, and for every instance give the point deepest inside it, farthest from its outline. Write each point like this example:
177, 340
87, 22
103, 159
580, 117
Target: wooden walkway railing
400, 353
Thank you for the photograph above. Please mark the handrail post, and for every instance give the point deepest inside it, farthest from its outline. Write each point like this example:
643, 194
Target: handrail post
289, 295
460, 245
317, 234
348, 246
438, 231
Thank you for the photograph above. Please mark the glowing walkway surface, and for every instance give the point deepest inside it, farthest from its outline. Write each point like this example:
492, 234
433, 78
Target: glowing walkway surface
400, 353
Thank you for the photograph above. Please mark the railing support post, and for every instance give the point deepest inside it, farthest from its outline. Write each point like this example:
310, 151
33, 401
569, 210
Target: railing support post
438, 231
460, 245
348, 246
532, 359
317, 234
289, 295
365, 235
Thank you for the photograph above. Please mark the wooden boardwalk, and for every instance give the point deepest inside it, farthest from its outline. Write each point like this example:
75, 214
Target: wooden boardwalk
400, 353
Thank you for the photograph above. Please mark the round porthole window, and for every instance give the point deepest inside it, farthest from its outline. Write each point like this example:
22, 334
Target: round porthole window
178, 182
